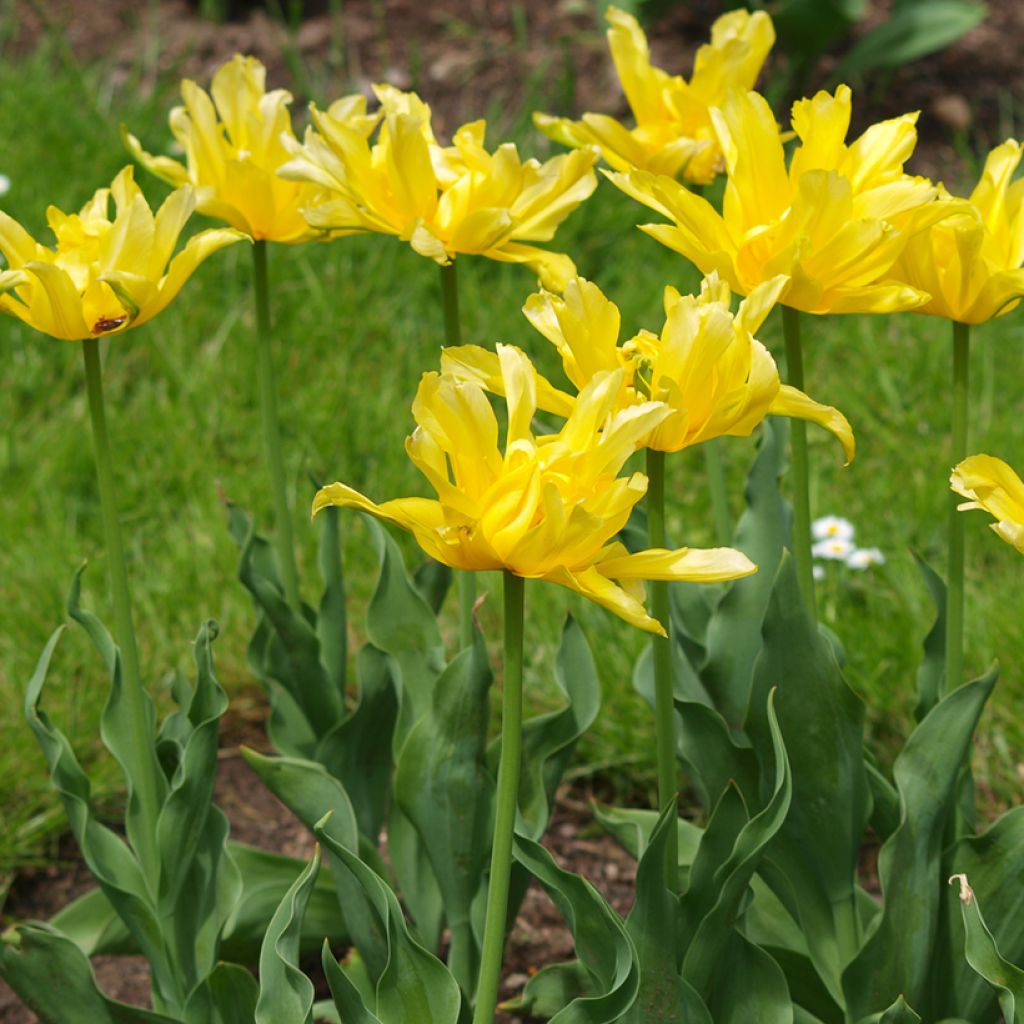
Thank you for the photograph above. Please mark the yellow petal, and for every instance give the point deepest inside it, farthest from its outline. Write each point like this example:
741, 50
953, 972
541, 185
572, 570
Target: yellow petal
792, 402
55, 305
993, 486
171, 171
700, 565
605, 592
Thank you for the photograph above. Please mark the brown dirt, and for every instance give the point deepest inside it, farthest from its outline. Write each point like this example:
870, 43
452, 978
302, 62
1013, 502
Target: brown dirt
468, 58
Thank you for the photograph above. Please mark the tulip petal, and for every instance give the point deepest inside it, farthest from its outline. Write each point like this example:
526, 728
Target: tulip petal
792, 402
601, 590
700, 565
55, 305
171, 171
993, 486
554, 269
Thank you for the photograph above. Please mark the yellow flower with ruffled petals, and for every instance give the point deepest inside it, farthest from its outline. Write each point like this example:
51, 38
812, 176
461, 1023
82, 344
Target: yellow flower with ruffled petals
232, 140
835, 221
443, 200
970, 262
706, 365
547, 507
992, 485
104, 276
673, 134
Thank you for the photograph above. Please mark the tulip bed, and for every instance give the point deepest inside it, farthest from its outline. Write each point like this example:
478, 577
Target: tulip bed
380, 712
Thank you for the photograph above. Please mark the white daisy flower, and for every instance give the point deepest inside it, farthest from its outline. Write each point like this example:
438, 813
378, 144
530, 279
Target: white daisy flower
5, 184
835, 548
818, 572
864, 558
832, 527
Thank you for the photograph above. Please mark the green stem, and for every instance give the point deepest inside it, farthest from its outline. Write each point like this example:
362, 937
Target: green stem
493, 946
272, 428
801, 489
453, 336
955, 597
719, 492
661, 651
141, 767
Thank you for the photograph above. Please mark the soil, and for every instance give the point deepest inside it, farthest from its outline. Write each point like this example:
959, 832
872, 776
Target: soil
467, 57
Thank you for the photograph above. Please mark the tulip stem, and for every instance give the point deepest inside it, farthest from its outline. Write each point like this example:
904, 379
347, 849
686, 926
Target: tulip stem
453, 336
719, 492
495, 922
272, 428
955, 597
798, 442
141, 768
661, 653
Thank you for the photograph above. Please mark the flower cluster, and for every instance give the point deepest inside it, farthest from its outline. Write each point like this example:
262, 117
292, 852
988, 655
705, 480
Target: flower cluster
833, 542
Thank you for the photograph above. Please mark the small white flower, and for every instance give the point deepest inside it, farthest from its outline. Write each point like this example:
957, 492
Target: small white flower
5, 184
835, 548
818, 572
832, 527
864, 558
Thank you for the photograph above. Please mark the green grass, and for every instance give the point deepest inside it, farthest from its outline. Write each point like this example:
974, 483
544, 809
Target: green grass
356, 323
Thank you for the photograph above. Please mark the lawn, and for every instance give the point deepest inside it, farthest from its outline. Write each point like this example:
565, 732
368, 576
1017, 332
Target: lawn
356, 322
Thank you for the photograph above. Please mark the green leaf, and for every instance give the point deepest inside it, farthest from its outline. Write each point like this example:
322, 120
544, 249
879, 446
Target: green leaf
415, 987
994, 863
228, 995
553, 988
911, 33
286, 994
899, 1013
631, 827
663, 994
818, 846
54, 979
94, 926
932, 672
433, 580
443, 787
108, 857
347, 1001
983, 955
762, 998
332, 620
357, 751
734, 632
895, 958
602, 943
718, 884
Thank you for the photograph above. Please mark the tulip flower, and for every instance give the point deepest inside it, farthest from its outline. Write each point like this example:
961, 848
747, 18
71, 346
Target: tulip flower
234, 145
970, 262
706, 365
992, 485
443, 200
550, 506
673, 134
834, 222
103, 276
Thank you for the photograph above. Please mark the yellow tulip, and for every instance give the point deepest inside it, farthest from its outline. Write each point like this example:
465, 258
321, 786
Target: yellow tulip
444, 201
970, 262
835, 221
547, 507
992, 485
673, 134
104, 276
706, 365
233, 149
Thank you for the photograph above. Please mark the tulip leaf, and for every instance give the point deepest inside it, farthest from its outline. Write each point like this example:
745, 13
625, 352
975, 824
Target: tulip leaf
94, 926
348, 1002
444, 789
285, 653
931, 675
652, 923
823, 721
734, 631
994, 863
553, 988
358, 750
762, 998
228, 995
433, 580
286, 994
108, 857
982, 953
896, 956
631, 827
54, 979
899, 1013
415, 987
602, 942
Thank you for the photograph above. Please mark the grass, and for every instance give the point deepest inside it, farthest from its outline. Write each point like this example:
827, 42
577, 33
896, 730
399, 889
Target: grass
356, 323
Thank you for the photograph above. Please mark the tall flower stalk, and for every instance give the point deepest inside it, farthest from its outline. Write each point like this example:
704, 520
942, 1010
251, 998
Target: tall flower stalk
493, 947
955, 595
271, 427
453, 336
